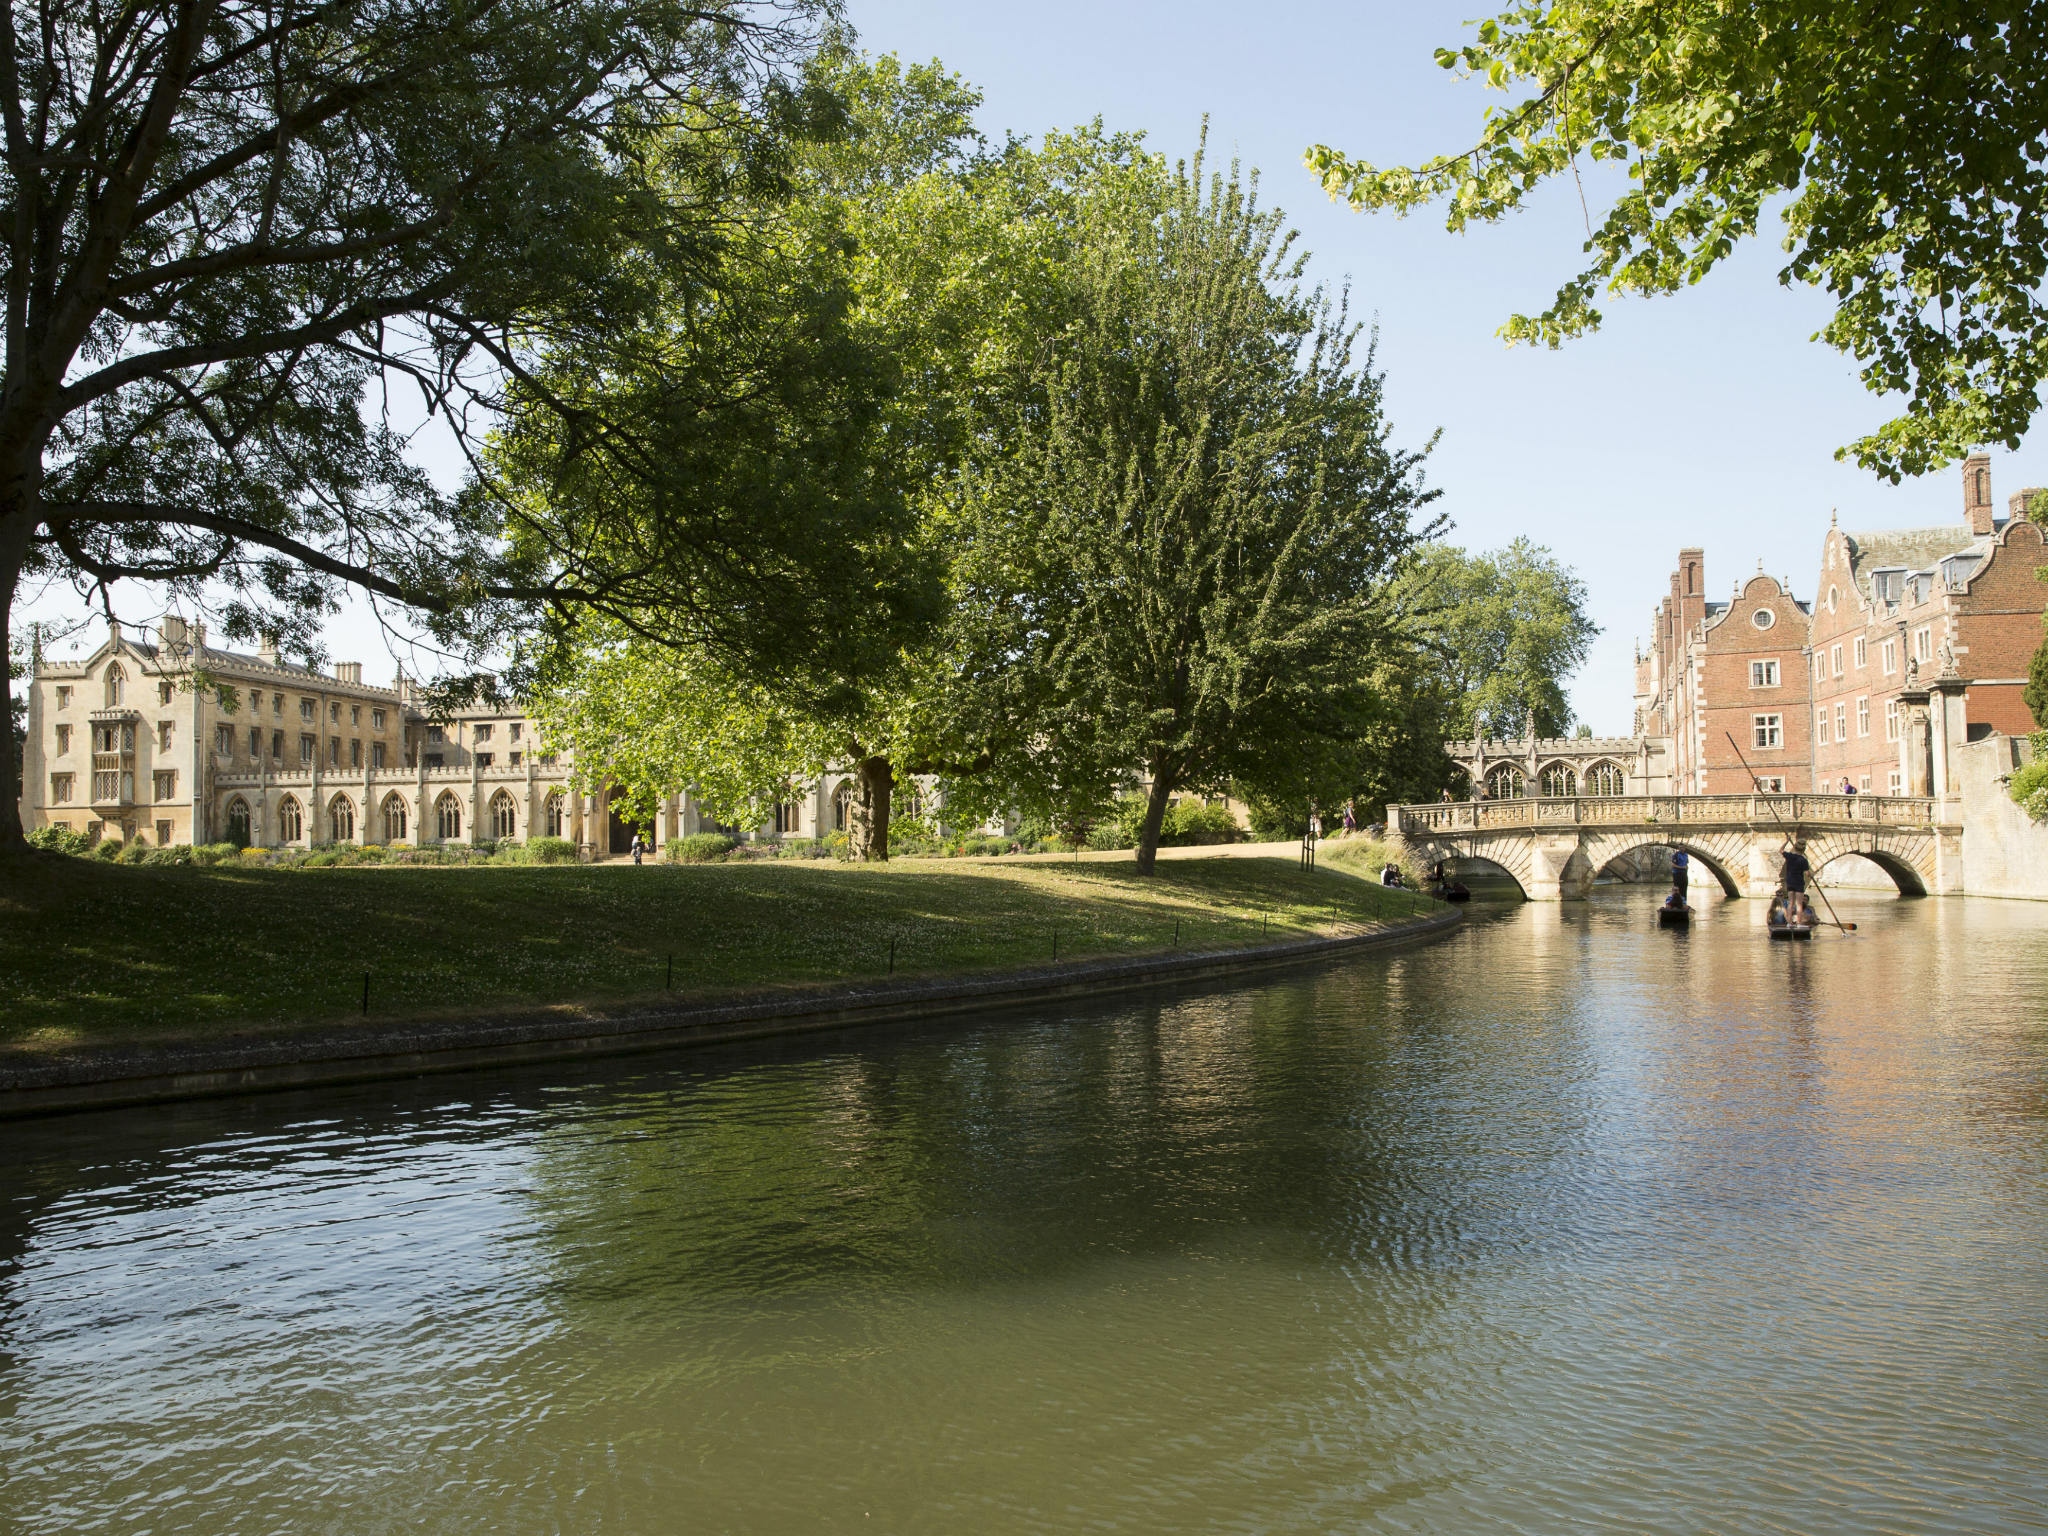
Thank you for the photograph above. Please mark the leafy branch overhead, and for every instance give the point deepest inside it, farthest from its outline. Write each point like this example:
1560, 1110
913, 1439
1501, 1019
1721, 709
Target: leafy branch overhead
1905, 147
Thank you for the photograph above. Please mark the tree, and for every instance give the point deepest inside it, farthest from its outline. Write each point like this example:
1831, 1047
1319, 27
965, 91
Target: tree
1904, 140
950, 255
1500, 633
227, 223
1179, 550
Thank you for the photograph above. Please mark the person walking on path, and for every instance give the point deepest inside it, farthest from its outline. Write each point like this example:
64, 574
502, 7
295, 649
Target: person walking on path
1681, 873
639, 847
1350, 819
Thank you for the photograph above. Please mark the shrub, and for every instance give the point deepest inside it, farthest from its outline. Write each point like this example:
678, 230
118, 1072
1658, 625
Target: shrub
550, 850
700, 848
60, 839
1199, 826
802, 848
167, 858
216, 853
255, 855
108, 848
134, 853
2029, 785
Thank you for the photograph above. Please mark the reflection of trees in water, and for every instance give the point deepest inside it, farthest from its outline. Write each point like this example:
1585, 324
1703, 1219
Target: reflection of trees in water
1329, 1114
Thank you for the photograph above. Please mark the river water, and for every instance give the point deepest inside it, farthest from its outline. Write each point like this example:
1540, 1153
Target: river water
1558, 1223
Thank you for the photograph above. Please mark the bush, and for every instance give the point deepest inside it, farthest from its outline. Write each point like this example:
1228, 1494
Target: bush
135, 852
167, 858
802, 848
700, 848
1198, 826
60, 839
2029, 786
550, 850
207, 854
108, 848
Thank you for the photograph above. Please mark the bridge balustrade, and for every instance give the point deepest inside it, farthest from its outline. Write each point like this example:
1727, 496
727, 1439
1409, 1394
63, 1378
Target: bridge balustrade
1640, 810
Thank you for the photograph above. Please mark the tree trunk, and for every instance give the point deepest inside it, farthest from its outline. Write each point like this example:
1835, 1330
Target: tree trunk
868, 826
1163, 782
10, 760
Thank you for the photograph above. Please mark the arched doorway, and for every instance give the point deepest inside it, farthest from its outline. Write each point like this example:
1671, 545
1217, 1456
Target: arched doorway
620, 829
238, 822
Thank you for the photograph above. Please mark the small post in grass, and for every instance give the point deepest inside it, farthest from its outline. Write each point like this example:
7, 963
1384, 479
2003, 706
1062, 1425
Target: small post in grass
892, 954
366, 994
669, 983
1055, 941
1176, 933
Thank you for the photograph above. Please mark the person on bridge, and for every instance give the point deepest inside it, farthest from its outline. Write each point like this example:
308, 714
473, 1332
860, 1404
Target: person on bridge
1847, 787
1681, 873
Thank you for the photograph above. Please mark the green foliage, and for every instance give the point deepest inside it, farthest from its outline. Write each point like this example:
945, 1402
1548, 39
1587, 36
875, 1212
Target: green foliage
54, 839
549, 850
1901, 141
1185, 825
1177, 550
2029, 786
2035, 694
700, 848
1366, 857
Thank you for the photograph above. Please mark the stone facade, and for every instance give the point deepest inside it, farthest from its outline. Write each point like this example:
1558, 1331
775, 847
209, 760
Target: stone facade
1498, 769
171, 741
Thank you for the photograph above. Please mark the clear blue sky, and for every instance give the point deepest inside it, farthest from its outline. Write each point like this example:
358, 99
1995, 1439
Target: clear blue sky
1708, 418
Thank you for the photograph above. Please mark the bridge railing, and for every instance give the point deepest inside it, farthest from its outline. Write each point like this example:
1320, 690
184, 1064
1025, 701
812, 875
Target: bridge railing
1663, 810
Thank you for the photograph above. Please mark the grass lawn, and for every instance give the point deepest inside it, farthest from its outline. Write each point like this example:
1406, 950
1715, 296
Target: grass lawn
100, 953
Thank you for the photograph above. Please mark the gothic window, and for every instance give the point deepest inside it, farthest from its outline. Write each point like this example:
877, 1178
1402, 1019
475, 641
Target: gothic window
291, 822
504, 816
1504, 783
553, 815
448, 817
117, 685
842, 807
238, 821
1559, 782
394, 819
164, 691
788, 820
1605, 779
341, 817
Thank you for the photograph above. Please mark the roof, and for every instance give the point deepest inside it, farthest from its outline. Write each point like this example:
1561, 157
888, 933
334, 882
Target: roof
1915, 549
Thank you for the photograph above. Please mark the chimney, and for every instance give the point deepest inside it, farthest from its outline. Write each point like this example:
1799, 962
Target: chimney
171, 632
348, 672
199, 637
266, 648
2019, 507
1977, 493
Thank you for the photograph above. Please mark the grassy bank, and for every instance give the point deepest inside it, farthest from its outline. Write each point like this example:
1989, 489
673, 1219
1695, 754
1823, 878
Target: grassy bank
93, 952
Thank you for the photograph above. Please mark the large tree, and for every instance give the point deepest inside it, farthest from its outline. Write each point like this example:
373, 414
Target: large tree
226, 223
1180, 551
1902, 140
952, 255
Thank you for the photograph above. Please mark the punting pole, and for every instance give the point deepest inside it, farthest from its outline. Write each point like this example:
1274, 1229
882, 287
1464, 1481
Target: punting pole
1845, 927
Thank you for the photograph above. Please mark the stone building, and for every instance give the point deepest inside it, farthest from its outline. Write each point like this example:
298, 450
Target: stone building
171, 740
1501, 769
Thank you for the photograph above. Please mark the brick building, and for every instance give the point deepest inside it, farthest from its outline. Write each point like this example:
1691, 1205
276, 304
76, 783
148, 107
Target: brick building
1917, 642
1721, 670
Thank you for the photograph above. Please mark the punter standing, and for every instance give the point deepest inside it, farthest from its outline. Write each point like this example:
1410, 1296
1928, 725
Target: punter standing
1681, 872
1793, 876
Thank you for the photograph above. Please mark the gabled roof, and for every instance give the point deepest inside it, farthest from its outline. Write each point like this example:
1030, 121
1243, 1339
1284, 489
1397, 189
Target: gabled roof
1916, 549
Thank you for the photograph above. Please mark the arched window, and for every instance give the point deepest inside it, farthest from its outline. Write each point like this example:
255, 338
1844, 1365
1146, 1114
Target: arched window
1504, 783
504, 816
238, 822
1559, 782
341, 819
291, 821
1604, 779
552, 814
448, 817
842, 807
394, 819
117, 685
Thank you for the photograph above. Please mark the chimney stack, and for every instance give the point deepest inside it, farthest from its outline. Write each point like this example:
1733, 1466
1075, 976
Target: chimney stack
266, 648
348, 672
171, 632
2019, 507
1977, 493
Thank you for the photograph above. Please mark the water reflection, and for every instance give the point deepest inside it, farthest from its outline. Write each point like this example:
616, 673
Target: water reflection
1563, 1222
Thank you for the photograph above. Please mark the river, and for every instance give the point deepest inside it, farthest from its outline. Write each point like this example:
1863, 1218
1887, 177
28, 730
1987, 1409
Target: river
1557, 1223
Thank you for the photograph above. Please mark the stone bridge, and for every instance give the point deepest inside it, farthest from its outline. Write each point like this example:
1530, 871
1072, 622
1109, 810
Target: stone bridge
1555, 847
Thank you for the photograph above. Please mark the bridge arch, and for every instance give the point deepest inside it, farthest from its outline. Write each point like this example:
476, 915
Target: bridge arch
1603, 851
1468, 864
1902, 873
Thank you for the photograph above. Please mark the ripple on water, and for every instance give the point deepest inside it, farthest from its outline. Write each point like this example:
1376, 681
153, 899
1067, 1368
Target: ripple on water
1560, 1223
